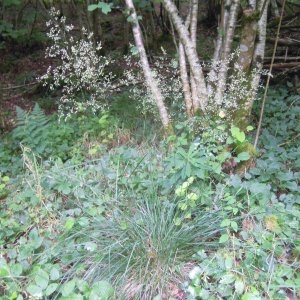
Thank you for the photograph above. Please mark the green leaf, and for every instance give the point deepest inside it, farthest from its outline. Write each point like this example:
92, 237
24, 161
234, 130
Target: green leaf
250, 296
16, 269
51, 288
54, 274
234, 225
224, 238
34, 290
101, 290
42, 279
134, 50
105, 7
69, 223
227, 279
92, 7
225, 223
237, 134
243, 156
68, 288
4, 271
5, 178
239, 286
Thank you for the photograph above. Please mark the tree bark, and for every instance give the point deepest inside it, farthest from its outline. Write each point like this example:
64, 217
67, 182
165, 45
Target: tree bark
185, 82
190, 51
222, 76
150, 80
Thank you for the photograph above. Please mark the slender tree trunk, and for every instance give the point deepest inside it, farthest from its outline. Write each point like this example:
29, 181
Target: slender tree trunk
150, 80
190, 51
185, 82
213, 74
222, 77
193, 32
259, 52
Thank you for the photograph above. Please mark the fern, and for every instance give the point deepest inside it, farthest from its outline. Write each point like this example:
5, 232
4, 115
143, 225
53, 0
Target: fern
32, 129
21, 116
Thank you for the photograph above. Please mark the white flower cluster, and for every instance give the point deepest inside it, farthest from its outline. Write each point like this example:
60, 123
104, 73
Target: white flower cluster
166, 73
238, 86
80, 71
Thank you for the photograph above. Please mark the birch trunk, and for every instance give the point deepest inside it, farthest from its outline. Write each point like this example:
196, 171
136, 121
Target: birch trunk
193, 33
222, 77
150, 80
223, 24
190, 51
259, 52
185, 82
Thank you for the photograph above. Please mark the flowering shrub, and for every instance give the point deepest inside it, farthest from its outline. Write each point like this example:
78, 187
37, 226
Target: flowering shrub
237, 90
165, 71
80, 72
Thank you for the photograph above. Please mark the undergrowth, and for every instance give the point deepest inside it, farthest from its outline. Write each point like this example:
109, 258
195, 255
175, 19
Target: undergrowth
86, 213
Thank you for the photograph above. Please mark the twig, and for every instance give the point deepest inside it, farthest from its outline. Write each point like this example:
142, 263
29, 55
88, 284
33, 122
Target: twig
18, 86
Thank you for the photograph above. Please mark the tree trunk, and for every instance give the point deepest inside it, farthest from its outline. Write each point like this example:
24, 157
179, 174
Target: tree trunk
185, 82
150, 80
223, 74
190, 51
253, 53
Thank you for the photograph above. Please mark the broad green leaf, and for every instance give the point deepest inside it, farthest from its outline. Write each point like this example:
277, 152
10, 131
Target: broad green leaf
228, 262
51, 288
227, 279
68, 288
239, 286
42, 279
225, 223
101, 290
92, 7
134, 50
234, 225
250, 296
54, 274
69, 223
5, 178
82, 286
16, 269
237, 134
243, 156
34, 290
105, 7
4, 271
224, 238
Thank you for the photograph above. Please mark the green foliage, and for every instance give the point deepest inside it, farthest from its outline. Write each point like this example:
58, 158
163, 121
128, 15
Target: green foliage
17, 25
260, 255
138, 221
140, 251
49, 138
105, 7
3, 186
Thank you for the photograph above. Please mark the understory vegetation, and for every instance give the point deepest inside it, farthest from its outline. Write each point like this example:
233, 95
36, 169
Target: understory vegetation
149, 171
91, 209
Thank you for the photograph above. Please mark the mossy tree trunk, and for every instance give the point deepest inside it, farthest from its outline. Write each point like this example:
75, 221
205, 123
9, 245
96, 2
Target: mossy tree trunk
251, 54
